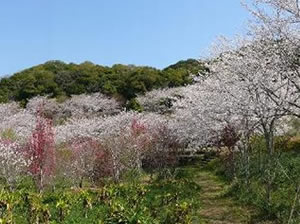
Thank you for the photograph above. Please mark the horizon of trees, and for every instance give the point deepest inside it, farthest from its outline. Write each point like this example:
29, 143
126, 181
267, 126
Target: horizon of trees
59, 79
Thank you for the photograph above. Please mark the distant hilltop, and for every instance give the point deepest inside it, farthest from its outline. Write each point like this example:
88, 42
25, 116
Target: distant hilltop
59, 79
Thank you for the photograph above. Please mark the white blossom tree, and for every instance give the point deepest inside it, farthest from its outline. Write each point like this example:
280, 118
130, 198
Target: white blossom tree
279, 21
160, 100
12, 161
21, 123
251, 73
96, 104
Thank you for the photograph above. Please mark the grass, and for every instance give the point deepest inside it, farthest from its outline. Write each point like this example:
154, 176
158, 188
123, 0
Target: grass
251, 192
194, 195
166, 200
215, 206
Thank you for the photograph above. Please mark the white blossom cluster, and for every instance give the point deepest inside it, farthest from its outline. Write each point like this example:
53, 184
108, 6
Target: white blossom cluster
97, 127
126, 136
160, 100
279, 21
8, 109
78, 106
42, 103
96, 104
12, 161
22, 123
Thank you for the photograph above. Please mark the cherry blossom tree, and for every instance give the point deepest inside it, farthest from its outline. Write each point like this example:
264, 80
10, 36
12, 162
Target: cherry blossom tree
21, 123
251, 72
259, 72
51, 108
279, 21
12, 160
86, 106
8, 109
160, 100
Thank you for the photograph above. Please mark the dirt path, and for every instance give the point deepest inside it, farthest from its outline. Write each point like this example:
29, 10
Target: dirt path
216, 208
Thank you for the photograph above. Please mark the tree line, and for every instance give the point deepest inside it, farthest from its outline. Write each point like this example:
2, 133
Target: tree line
59, 79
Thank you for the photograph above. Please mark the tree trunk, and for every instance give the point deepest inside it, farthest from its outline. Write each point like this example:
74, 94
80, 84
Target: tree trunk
269, 141
270, 148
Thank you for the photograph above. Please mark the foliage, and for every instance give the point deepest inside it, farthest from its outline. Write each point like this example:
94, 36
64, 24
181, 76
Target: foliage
58, 79
159, 201
134, 105
192, 66
293, 144
249, 186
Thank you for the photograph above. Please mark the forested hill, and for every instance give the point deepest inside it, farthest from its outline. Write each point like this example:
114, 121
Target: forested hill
59, 79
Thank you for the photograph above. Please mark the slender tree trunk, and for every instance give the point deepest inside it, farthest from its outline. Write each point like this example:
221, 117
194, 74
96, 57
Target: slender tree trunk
40, 180
269, 138
116, 169
81, 182
233, 163
247, 160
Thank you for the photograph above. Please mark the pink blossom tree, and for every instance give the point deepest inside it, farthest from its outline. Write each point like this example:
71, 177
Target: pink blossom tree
89, 160
40, 151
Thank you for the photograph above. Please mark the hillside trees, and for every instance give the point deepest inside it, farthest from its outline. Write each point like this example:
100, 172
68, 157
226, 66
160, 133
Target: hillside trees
56, 79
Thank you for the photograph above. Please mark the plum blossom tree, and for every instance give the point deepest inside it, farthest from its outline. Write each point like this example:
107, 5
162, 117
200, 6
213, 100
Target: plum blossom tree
89, 160
111, 132
40, 151
125, 139
163, 145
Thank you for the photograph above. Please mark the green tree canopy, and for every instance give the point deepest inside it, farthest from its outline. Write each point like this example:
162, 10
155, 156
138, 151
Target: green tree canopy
56, 79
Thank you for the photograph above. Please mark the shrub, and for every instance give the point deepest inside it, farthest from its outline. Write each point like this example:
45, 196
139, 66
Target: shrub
133, 104
163, 150
89, 160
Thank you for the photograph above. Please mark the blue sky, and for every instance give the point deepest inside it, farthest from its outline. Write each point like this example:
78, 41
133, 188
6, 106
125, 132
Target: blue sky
142, 32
